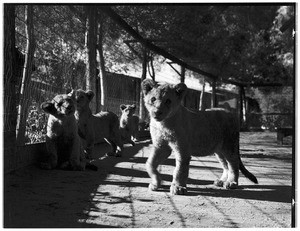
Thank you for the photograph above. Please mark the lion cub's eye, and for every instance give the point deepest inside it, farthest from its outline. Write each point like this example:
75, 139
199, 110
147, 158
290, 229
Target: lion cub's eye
168, 101
153, 99
59, 104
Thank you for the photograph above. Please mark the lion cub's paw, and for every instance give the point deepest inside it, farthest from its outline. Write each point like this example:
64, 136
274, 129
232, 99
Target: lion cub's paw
177, 190
230, 185
219, 183
153, 187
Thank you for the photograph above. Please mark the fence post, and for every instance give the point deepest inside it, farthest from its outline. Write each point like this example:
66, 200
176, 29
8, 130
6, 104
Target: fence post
242, 107
214, 102
23, 102
201, 103
182, 74
102, 86
144, 75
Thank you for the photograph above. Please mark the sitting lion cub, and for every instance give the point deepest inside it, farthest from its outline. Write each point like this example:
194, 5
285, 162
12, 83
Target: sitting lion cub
176, 129
94, 128
62, 140
129, 124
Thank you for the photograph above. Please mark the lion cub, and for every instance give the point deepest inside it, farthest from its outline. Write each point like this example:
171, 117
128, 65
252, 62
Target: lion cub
62, 140
129, 124
94, 128
176, 129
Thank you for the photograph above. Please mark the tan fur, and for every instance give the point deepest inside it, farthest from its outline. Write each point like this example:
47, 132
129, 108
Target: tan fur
93, 128
177, 129
62, 140
129, 124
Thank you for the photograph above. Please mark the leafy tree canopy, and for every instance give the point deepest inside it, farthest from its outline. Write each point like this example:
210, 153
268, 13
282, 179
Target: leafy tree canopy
242, 42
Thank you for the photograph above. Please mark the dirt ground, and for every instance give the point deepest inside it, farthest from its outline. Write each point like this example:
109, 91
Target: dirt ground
117, 195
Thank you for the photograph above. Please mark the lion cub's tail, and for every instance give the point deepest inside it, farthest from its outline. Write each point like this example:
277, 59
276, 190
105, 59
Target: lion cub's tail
247, 174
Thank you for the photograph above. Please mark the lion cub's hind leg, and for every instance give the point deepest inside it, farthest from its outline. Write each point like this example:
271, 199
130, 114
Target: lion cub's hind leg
159, 154
220, 182
229, 178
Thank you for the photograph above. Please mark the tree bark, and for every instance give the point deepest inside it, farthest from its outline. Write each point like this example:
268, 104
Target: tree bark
10, 112
91, 64
24, 92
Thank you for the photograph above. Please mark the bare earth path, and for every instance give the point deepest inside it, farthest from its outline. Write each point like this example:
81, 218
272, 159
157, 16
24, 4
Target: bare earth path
117, 196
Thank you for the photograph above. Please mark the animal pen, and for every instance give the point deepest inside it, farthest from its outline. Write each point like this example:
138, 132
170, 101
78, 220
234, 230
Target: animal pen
41, 61
52, 49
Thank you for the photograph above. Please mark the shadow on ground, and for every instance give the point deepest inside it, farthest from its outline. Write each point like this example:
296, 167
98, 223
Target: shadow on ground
56, 198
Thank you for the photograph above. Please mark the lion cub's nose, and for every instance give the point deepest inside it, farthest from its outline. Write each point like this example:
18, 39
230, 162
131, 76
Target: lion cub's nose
158, 113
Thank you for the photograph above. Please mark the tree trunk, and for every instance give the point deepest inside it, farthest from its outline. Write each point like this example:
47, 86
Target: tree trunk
24, 92
144, 75
10, 112
102, 86
201, 102
91, 64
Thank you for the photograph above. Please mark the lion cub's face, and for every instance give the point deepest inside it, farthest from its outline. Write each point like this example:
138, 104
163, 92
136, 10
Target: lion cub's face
83, 98
162, 101
61, 105
127, 110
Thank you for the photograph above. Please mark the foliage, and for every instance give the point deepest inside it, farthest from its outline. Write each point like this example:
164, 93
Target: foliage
278, 100
241, 42
36, 125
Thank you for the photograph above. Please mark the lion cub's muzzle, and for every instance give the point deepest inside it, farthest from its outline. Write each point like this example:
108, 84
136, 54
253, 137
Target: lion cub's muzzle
70, 109
157, 115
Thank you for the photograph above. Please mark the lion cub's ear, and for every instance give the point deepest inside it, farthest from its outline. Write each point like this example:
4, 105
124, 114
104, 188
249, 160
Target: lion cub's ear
122, 107
90, 95
148, 85
48, 107
180, 90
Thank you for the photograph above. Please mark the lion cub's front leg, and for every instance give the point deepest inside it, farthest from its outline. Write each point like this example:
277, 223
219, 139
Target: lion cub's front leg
159, 154
51, 162
76, 154
181, 172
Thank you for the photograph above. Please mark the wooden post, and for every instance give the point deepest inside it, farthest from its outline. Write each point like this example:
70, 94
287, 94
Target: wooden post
214, 102
102, 84
24, 94
144, 75
242, 107
91, 64
201, 102
182, 74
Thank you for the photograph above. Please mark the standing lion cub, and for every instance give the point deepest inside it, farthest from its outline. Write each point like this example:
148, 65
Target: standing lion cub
176, 129
129, 124
63, 144
93, 128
